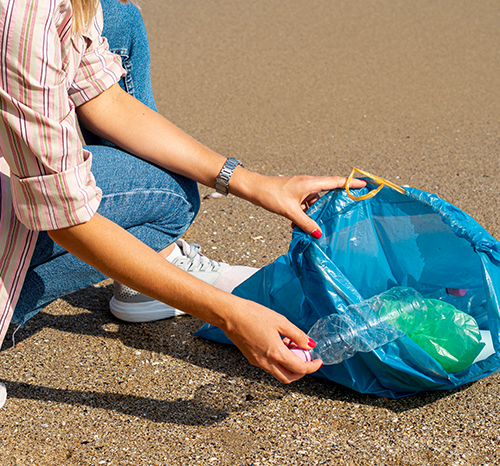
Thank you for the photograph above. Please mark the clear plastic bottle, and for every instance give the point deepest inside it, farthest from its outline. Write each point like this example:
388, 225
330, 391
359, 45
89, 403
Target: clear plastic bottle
368, 325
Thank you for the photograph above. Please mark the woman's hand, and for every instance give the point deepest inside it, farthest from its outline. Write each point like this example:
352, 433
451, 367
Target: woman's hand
257, 331
289, 196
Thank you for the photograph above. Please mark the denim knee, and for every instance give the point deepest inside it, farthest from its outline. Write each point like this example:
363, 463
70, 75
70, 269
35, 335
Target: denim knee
126, 34
179, 209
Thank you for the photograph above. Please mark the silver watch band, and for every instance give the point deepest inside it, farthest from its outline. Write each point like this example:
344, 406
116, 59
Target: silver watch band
222, 181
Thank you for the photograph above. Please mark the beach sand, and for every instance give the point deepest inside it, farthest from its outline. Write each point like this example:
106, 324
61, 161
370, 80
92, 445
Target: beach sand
405, 90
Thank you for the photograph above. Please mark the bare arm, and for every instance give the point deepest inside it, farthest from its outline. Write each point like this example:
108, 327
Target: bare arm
131, 125
253, 328
256, 330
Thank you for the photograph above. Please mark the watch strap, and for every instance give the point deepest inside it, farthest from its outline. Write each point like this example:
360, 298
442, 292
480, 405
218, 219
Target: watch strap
222, 181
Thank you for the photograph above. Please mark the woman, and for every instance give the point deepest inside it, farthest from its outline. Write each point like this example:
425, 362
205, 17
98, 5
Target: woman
71, 215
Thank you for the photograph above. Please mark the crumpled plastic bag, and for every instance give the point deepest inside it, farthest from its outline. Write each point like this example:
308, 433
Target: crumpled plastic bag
450, 336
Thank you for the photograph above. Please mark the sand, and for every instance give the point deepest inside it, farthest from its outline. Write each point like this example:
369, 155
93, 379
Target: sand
407, 90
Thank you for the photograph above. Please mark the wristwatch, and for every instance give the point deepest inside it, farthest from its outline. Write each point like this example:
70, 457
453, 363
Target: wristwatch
222, 181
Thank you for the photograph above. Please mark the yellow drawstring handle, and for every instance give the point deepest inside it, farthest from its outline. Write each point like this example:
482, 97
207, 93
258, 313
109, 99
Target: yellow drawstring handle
377, 179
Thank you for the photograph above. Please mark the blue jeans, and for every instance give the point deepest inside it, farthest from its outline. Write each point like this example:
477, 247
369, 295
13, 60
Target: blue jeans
153, 204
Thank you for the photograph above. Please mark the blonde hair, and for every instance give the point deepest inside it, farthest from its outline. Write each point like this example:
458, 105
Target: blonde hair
84, 11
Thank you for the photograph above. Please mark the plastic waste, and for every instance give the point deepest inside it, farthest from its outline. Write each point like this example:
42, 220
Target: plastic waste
450, 336
366, 325
414, 240
3, 395
472, 301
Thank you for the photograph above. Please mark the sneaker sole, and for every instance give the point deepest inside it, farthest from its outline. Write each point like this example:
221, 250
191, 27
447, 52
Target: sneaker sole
149, 311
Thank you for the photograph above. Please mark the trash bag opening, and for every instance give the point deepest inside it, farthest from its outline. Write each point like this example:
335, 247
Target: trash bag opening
394, 243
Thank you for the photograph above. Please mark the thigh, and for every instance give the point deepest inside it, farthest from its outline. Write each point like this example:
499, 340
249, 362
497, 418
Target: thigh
152, 203
136, 192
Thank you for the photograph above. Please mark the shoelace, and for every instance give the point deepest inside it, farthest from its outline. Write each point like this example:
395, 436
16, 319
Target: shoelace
192, 252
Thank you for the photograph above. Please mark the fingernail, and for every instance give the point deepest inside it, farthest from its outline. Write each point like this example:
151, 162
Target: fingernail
316, 234
311, 343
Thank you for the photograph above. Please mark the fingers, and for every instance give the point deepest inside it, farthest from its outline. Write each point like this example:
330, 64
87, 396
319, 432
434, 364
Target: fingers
307, 224
317, 184
289, 367
284, 375
314, 186
258, 332
307, 203
293, 334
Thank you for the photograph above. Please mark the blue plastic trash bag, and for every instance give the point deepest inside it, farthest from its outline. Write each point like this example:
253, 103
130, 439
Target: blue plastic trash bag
404, 237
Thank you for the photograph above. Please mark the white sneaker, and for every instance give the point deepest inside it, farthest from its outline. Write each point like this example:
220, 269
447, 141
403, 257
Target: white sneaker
132, 306
3, 395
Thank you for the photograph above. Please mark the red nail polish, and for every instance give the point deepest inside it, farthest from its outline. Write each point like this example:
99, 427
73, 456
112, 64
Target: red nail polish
311, 343
316, 234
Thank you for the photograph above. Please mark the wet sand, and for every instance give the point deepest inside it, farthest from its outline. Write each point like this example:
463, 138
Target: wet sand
406, 90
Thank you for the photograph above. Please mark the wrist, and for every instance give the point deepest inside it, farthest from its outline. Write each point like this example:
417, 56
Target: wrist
244, 183
223, 312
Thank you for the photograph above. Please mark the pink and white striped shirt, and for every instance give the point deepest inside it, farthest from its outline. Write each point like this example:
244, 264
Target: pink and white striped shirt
45, 178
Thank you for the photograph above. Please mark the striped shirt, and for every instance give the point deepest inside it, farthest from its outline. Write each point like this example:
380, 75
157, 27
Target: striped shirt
45, 178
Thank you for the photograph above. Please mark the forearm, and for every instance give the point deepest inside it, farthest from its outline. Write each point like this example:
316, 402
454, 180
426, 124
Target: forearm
119, 255
254, 329
123, 120
134, 127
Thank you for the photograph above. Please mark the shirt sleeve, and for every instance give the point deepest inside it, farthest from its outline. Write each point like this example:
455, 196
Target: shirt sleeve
99, 68
52, 185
